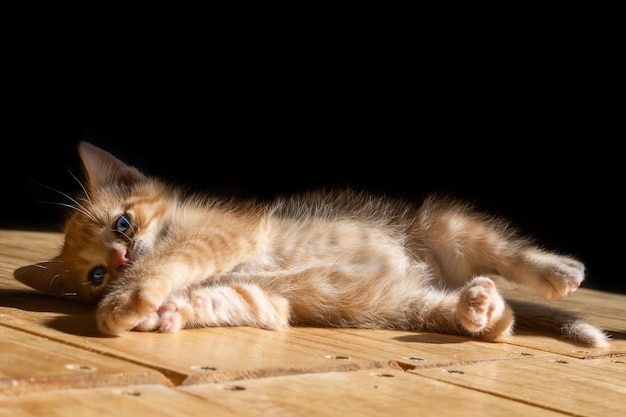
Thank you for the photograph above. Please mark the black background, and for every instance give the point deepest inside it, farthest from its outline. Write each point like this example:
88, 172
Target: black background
535, 140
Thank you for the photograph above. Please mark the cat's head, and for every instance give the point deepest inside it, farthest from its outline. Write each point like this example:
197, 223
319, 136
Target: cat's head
118, 219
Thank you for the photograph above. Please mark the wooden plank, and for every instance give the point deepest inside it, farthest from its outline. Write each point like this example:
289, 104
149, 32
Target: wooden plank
213, 355
292, 371
551, 344
218, 354
19, 248
569, 385
224, 354
31, 363
382, 392
130, 401
360, 393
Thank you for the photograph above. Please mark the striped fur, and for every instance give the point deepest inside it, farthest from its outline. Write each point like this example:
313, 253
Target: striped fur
342, 259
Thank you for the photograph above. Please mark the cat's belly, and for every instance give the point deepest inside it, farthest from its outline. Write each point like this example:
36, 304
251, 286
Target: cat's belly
339, 292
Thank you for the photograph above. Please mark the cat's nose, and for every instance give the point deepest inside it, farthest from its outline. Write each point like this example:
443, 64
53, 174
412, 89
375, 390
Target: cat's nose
120, 259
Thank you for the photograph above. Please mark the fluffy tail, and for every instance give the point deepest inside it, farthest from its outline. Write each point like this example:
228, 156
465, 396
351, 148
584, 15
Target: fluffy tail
539, 317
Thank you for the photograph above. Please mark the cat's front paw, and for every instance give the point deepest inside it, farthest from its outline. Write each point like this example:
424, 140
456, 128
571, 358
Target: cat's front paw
482, 310
167, 319
556, 276
122, 311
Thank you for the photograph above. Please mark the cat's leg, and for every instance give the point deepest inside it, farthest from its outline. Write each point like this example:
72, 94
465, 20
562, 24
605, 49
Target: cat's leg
219, 305
175, 264
476, 309
552, 275
128, 303
461, 244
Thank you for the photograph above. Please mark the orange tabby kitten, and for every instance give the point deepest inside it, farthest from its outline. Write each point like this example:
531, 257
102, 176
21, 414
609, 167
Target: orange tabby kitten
155, 259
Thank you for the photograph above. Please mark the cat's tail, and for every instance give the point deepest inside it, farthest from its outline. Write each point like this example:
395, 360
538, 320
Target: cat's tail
568, 325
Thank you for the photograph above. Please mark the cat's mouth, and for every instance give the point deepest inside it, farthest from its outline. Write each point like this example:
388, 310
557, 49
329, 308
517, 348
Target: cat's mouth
121, 259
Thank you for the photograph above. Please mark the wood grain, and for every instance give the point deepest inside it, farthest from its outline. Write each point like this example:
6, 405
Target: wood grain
53, 360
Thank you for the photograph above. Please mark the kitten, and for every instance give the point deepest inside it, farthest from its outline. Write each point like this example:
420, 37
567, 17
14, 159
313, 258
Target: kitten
155, 259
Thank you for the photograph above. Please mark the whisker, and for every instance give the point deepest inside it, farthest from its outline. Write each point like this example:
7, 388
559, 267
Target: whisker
78, 206
42, 265
81, 186
52, 279
55, 190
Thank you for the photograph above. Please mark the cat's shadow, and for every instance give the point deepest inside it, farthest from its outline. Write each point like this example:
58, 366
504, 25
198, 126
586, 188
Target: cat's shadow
73, 317
432, 338
437, 338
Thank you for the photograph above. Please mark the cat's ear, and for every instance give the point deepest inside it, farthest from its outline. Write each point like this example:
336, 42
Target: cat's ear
46, 277
102, 168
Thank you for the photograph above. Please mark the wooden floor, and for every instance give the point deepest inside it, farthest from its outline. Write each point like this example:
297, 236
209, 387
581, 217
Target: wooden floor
54, 363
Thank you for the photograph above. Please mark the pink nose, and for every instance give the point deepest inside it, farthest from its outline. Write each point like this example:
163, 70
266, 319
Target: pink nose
119, 259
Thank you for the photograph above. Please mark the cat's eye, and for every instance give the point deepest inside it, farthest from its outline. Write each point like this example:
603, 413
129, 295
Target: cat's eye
96, 276
122, 224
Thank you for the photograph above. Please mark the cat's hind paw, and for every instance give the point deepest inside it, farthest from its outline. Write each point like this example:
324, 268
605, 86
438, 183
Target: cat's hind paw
555, 276
482, 310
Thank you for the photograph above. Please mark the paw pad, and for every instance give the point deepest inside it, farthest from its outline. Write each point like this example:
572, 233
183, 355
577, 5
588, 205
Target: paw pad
480, 305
